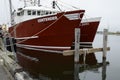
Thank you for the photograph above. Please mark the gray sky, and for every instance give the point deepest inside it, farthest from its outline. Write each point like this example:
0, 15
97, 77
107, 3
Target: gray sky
107, 9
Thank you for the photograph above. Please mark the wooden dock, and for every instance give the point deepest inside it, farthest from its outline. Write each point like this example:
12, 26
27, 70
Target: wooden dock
9, 67
13, 69
76, 52
4, 75
84, 51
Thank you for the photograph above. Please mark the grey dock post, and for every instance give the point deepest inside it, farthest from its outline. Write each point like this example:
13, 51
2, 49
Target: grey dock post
105, 38
76, 54
12, 48
104, 68
77, 45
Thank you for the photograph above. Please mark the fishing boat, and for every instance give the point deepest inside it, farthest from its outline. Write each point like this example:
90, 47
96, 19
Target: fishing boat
43, 33
88, 28
37, 27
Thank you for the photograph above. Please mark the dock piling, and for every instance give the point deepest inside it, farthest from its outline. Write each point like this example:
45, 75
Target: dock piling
77, 45
84, 56
105, 38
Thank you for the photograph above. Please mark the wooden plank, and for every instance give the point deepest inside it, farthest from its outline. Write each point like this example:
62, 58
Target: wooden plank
82, 51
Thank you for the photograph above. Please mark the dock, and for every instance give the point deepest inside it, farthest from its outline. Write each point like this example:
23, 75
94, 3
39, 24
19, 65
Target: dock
77, 52
84, 51
10, 69
4, 75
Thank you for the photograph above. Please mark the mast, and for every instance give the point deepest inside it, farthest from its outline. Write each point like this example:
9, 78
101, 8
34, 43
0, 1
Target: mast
10, 4
53, 4
24, 3
34, 2
12, 23
38, 2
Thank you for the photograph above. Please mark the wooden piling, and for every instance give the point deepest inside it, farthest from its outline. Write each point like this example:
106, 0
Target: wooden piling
77, 40
105, 38
84, 56
76, 71
104, 68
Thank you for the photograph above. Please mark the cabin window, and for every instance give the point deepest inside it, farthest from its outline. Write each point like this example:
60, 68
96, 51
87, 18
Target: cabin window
33, 12
47, 13
38, 12
29, 12
22, 13
53, 12
50, 12
41, 13
18, 14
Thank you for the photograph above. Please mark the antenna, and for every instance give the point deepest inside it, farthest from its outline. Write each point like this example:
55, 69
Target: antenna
34, 2
38, 2
54, 4
24, 3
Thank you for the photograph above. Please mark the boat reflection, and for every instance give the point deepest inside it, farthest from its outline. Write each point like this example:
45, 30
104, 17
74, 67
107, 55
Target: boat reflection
80, 68
62, 70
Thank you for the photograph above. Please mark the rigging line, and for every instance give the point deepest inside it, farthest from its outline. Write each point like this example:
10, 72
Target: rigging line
66, 7
69, 4
43, 29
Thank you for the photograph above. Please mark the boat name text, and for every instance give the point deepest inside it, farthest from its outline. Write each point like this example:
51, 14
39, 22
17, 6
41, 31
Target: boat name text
47, 19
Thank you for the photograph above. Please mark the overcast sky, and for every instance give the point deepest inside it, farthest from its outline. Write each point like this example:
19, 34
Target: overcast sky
107, 9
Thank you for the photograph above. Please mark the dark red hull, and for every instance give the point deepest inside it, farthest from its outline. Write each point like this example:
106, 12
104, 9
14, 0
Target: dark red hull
60, 40
89, 29
58, 33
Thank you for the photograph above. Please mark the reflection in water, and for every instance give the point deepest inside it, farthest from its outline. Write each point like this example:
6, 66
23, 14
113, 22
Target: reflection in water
104, 69
63, 70
93, 68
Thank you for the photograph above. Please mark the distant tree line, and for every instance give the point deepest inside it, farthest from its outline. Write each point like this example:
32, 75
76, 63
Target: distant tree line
110, 33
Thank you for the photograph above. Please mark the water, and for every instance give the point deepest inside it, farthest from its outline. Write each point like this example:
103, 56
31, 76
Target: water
108, 70
113, 56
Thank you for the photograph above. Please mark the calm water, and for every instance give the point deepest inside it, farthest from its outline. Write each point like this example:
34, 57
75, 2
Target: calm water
113, 56
109, 71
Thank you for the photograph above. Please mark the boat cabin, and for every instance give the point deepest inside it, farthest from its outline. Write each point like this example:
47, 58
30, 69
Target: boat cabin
28, 13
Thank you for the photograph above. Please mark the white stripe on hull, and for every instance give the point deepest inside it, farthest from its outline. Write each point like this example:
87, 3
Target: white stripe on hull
45, 47
74, 16
85, 43
31, 37
91, 20
44, 50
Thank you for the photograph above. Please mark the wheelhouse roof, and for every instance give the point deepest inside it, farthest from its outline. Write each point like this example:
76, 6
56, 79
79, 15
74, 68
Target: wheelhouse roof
39, 8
